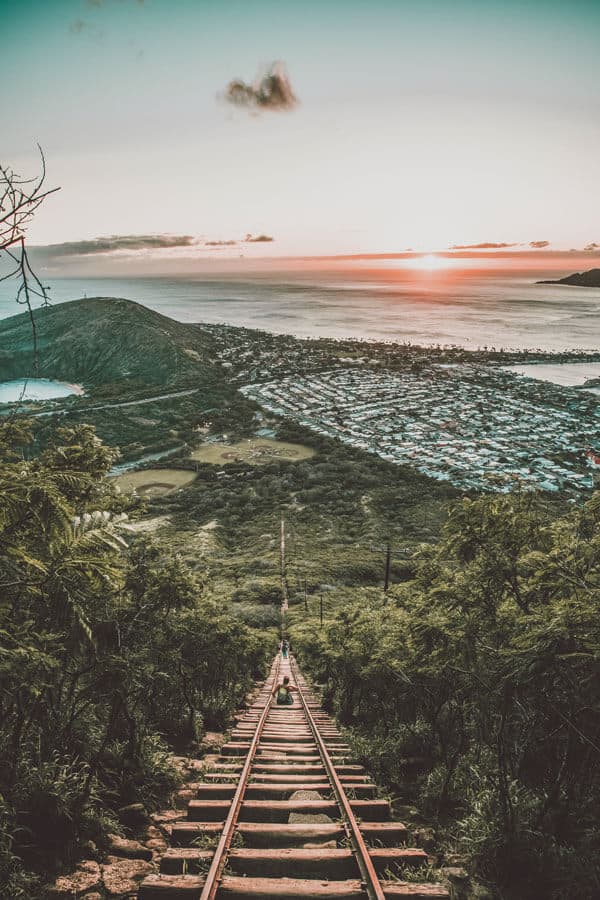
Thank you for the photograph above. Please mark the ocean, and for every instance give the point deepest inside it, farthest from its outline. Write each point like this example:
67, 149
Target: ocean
472, 310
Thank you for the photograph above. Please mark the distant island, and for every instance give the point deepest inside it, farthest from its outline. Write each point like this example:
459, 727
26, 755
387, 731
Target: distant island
579, 279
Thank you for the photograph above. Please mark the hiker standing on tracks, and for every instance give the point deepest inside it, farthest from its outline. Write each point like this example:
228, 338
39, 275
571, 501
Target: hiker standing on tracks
284, 649
284, 692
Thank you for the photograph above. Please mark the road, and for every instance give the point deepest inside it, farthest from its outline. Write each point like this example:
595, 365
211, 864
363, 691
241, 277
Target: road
61, 412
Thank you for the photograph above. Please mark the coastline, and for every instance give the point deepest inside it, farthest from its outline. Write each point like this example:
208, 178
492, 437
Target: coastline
507, 313
21, 386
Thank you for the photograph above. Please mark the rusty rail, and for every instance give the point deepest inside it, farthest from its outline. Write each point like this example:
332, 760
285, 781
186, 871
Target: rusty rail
215, 872
369, 875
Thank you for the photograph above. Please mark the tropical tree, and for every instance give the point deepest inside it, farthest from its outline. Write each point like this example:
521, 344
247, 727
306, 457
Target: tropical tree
108, 648
485, 667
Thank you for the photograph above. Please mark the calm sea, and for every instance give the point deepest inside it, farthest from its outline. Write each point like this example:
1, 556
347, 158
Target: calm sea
472, 311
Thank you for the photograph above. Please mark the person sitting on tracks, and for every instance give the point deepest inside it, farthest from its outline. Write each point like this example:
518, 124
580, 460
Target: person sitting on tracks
284, 692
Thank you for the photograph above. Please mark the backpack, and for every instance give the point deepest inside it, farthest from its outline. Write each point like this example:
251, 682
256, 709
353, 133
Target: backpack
284, 697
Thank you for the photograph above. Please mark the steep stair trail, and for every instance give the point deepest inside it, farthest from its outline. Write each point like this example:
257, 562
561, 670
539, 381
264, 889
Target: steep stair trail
286, 814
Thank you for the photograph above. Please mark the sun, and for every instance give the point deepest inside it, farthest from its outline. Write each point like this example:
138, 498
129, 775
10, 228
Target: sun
429, 262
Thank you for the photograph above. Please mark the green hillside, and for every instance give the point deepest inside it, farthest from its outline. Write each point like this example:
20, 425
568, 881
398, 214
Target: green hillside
100, 340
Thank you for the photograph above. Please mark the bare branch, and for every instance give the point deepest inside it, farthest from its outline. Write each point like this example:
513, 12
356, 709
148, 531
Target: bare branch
20, 198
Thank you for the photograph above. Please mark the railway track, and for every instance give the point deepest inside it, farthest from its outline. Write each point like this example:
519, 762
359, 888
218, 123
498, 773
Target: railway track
285, 814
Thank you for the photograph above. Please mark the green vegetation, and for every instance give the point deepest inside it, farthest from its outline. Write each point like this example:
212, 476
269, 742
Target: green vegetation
481, 670
110, 651
153, 425
119, 344
340, 505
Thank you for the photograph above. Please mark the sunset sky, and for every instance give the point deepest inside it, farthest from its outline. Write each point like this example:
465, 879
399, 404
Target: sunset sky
421, 125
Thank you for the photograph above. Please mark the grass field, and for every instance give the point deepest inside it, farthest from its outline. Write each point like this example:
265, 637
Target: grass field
155, 482
256, 451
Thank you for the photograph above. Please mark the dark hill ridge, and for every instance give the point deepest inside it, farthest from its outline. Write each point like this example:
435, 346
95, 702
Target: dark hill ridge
591, 278
101, 340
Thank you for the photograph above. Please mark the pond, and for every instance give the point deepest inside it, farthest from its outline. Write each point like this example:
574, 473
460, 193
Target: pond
36, 389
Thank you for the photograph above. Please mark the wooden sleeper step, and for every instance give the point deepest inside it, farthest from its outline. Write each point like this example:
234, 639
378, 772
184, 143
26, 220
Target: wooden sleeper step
279, 810
290, 768
327, 863
277, 790
189, 887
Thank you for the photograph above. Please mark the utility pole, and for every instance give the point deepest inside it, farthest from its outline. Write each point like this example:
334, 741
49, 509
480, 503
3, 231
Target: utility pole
284, 590
388, 559
388, 550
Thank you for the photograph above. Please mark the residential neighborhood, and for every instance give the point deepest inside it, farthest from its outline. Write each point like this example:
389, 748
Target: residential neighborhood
473, 426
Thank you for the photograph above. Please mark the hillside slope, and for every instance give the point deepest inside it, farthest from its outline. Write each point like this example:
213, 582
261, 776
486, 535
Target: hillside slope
101, 340
591, 278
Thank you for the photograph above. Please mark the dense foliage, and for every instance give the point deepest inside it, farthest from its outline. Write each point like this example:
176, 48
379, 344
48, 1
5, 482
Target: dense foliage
485, 665
108, 650
340, 496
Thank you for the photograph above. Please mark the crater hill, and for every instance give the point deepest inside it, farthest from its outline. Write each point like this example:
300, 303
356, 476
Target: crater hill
591, 278
103, 340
